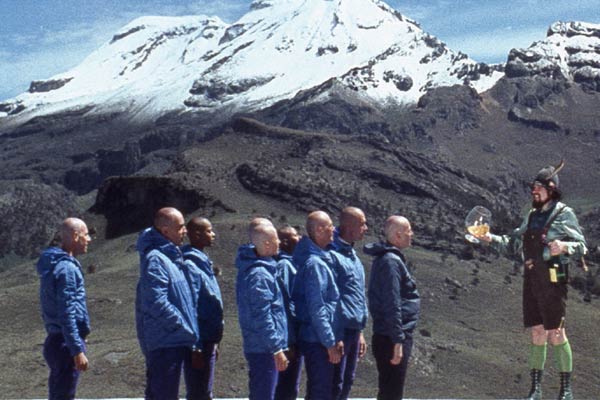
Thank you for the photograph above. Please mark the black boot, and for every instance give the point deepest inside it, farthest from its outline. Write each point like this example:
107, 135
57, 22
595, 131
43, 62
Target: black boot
536, 385
565, 387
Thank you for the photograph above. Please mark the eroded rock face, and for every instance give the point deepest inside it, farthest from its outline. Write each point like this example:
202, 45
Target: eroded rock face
31, 213
571, 51
318, 172
208, 92
129, 203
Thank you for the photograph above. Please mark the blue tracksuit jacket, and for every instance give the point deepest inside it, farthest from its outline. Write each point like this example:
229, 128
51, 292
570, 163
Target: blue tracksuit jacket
165, 310
349, 275
209, 304
261, 312
315, 295
63, 298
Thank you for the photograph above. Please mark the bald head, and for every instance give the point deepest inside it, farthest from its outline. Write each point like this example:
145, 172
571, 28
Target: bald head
353, 224
319, 228
169, 222
70, 226
166, 216
398, 231
200, 232
74, 236
264, 238
258, 221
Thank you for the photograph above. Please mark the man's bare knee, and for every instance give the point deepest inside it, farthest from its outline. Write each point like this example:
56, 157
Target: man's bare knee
538, 335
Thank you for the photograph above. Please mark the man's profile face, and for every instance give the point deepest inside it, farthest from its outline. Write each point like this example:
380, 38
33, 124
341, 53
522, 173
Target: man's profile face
358, 227
205, 235
405, 237
272, 246
175, 231
82, 240
325, 232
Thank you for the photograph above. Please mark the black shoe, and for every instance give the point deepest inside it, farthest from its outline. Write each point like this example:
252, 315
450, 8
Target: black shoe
565, 387
536, 385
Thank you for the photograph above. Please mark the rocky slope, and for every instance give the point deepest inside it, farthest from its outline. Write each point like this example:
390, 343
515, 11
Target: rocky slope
471, 298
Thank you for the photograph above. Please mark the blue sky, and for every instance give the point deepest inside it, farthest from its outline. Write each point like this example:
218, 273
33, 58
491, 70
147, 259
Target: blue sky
40, 38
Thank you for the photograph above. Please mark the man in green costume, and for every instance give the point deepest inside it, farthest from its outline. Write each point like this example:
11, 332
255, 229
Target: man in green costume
549, 238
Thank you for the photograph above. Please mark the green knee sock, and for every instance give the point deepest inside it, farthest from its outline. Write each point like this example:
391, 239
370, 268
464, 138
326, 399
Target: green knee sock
537, 356
563, 357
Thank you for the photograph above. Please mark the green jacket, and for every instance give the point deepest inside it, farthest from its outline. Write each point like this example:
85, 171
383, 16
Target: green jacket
564, 228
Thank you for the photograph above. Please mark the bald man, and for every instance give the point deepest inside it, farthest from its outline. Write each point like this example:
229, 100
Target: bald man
261, 311
288, 383
316, 296
394, 305
255, 223
349, 275
165, 311
64, 309
199, 369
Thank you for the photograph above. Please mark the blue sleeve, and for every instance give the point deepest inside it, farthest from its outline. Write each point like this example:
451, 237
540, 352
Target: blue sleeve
391, 284
196, 282
262, 290
66, 289
320, 313
156, 301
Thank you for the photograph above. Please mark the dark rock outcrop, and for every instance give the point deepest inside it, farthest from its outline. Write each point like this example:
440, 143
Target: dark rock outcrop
131, 31
570, 52
31, 213
12, 108
129, 203
402, 82
214, 90
47, 86
233, 32
526, 116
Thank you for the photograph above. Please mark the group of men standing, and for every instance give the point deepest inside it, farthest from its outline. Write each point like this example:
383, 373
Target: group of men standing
306, 303
301, 300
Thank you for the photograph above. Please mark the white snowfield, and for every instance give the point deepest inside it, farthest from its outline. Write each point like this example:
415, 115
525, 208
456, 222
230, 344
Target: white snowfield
279, 48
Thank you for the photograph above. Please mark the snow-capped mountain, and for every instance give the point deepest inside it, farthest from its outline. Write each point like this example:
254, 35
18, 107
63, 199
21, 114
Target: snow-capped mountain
570, 51
280, 47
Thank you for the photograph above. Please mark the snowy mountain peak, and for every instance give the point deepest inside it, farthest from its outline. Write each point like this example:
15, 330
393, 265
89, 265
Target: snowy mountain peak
279, 48
570, 51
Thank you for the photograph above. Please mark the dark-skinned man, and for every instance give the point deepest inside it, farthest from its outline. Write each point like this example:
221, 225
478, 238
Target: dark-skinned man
289, 380
64, 309
199, 369
261, 311
166, 320
316, 297
394, 304
549, 238
349, 275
